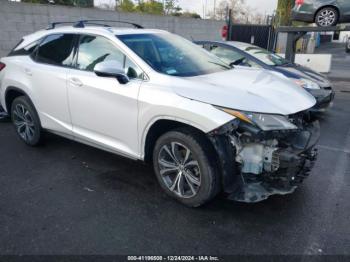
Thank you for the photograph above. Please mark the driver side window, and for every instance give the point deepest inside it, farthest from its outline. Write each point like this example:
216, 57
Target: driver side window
96, 49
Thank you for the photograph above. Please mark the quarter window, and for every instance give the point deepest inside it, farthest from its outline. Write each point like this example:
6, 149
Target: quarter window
96, 49
56, 50
27, 50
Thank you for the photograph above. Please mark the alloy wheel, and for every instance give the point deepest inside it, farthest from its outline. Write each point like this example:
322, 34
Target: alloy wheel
24, 122
179, 169
326, 17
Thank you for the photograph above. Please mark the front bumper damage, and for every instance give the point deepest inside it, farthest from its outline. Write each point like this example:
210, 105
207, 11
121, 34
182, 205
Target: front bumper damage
256, 164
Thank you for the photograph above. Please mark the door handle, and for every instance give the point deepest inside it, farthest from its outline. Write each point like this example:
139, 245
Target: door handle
28, 71
75, 81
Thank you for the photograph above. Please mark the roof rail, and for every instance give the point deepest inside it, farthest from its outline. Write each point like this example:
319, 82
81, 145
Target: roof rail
54, 24
82, 23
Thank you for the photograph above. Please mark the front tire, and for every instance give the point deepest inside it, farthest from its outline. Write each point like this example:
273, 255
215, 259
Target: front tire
327, 16
185, 167
26, 121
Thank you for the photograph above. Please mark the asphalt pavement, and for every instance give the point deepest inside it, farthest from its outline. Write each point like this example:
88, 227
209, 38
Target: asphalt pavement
68, 198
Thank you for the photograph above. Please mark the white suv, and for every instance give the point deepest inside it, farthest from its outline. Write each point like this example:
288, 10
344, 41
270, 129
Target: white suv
153, 96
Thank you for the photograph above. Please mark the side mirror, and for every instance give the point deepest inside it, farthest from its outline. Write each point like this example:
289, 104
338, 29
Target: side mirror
112, 69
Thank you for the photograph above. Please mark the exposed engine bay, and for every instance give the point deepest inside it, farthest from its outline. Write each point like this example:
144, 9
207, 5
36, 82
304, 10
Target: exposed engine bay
257, 164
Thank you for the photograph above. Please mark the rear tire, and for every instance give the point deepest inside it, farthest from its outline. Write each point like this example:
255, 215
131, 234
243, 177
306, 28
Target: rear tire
185, 167
26, 121
327, 16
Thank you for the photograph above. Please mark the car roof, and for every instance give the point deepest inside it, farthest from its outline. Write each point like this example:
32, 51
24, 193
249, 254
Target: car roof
99, 30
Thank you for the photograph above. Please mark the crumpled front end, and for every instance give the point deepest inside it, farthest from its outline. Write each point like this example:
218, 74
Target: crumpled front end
257, 164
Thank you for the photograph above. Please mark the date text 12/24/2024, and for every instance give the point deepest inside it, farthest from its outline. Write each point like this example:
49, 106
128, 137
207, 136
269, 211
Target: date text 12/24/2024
173, 258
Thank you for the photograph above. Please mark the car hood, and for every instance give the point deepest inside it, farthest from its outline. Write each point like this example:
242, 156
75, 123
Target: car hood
247, 89
298, 71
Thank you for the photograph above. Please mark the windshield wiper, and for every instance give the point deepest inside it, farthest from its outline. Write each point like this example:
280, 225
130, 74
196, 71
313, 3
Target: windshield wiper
222, 65
286, 63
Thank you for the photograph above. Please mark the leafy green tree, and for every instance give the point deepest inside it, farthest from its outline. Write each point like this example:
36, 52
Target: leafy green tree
80, 3
150, 7
126, 6
84, 3
191, 15
36, 1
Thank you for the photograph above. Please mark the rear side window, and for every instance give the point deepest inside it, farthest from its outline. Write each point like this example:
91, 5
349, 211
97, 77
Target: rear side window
56, 50
27, 50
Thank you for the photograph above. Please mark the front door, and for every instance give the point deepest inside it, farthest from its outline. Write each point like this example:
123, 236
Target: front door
104, 112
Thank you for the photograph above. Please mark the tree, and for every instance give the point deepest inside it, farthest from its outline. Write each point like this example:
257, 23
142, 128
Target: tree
126, 6
80, 3
84, 3
190, 15
36, 1
284, 11
150, 7
238, 7
171, 7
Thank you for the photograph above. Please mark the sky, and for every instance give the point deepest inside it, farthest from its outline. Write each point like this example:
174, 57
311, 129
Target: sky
262, 6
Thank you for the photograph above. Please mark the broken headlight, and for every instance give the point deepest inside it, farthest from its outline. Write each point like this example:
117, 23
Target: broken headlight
305, 83
265, 122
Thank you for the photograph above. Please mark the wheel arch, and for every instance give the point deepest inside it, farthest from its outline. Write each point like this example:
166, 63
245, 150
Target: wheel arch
325, 6
160, 127
11, 94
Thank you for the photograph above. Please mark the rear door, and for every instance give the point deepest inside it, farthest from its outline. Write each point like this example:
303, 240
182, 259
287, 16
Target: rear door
104, 112
49, 81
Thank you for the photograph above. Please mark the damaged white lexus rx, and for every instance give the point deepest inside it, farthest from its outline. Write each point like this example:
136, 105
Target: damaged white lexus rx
153, 96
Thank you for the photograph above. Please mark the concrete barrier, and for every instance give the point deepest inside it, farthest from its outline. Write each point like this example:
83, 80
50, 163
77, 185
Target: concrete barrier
321, 63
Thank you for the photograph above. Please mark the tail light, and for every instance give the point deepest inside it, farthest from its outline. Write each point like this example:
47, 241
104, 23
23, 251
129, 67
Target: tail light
2, 66
224, 32
299, 2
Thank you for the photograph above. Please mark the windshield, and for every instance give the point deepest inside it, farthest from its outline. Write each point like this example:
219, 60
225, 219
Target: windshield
266, 56
173, 55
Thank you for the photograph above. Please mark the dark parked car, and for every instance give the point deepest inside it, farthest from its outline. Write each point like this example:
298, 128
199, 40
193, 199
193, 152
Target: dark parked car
322, 12
348, 45
243, 54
